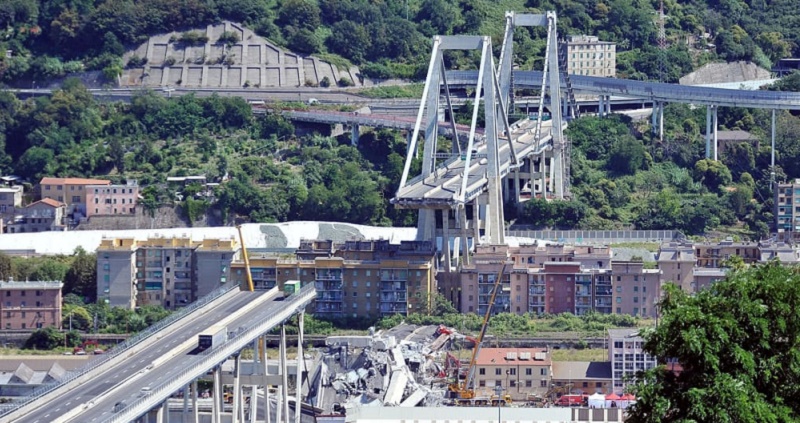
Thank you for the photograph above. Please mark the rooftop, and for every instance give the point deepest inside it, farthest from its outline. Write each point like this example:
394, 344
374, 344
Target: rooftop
624, 333
73, 181
47, 201
581, 370
736, 135
30, 285
518, 356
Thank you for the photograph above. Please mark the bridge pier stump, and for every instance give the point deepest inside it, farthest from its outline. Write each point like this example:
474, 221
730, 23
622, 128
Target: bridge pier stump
298, 394
476, 219
254, 402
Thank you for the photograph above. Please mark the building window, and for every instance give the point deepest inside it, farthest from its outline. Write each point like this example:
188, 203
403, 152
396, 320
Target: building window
498, 372
512, 383
512, 371
496, 383
21, 293
528, 371
635, 289
619, 300
482, 371
543, 383
528, 383
543, 371
482, 384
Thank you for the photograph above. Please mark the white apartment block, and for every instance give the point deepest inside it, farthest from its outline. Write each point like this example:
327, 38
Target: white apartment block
587, 55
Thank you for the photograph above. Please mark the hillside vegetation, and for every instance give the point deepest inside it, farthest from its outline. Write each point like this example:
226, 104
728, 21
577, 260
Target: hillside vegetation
50, 38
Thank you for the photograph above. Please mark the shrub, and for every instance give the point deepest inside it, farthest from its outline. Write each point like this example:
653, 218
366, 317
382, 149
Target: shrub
136, 62
228, 37
193, 38
325, 82
169, 61
345, 82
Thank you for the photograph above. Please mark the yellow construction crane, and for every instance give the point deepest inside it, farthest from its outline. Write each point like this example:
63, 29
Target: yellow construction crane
464, 392
246, 260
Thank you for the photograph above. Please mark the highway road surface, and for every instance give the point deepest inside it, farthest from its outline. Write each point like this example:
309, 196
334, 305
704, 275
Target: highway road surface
135, 364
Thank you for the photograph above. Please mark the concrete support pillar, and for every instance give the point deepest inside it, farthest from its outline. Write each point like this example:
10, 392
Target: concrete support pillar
708, 132
185, 413
654, 118
284, 378
476, 222
195, 411
237, 389
263, 356
543, 174
354, 135
600, 107
608, 105
715, 128
160, 413
661, 121
217, 401
772, 153
298, 390
517, 203
462, 217
253, 403
552, 172
448, 264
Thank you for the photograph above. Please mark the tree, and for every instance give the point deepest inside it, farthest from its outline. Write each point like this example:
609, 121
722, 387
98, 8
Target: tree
627, 156
713, 174
299, 14
81, 278
304, 41
737, 345
6, 267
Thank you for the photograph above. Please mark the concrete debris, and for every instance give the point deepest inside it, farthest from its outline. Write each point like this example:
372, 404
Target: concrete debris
402, 367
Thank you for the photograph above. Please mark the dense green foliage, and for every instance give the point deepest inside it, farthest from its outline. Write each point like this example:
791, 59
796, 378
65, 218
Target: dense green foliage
623, 176
737, 343
51, 38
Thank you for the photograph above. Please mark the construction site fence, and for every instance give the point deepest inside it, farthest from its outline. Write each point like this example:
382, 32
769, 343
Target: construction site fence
604, 237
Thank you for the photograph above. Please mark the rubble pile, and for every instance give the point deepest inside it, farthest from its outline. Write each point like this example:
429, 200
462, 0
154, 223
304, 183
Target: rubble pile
402, 367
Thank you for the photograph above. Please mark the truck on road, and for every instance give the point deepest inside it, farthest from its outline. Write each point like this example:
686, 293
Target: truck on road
212, 337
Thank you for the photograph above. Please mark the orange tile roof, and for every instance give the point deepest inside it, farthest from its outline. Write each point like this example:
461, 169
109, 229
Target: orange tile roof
74, 181
498, 357
49, 202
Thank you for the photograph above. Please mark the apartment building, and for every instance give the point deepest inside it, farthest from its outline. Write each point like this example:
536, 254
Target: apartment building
42, 216
70, 191
705, 277
715, 254
636, 290
111, 199
787, 210
166, 271
30, 305
10, 199
627, 356
676, 262
369, 278
518, 372
587, 55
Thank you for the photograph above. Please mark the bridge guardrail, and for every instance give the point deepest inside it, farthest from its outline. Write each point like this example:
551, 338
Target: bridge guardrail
117, 350
208, 362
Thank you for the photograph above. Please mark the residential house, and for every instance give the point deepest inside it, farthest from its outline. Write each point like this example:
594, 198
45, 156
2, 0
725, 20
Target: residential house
587, 55
70, 191
583, 377
111, 199
627, 356
519, 372
42, 216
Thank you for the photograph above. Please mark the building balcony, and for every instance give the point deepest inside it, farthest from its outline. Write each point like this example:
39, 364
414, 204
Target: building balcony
328, 308
394, 298
536, 291
393, 309
602, 302
327, 286
328, 277
394, 286
393, 276
583, 293
330, 297
603, 291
